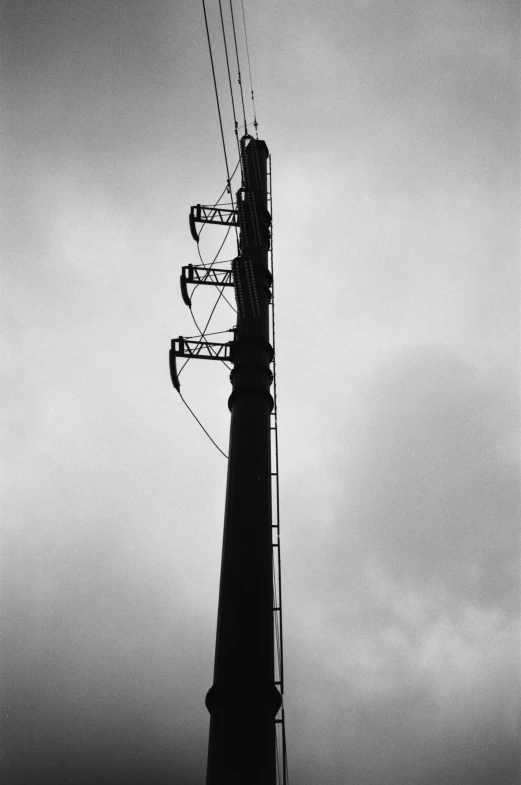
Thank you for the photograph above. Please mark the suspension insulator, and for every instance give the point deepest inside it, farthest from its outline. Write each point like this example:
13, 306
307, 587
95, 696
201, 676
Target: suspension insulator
173, 369
184, 290
193, 230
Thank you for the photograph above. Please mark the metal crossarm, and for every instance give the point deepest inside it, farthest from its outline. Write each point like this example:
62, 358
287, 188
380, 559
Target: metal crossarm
202, 349
199, 349
209, 214
197, 275
207, 275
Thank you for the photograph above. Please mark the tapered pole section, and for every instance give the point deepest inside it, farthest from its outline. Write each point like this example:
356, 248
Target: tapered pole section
244, 700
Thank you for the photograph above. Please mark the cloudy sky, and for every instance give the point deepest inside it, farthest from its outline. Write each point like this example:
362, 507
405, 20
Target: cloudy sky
394, 133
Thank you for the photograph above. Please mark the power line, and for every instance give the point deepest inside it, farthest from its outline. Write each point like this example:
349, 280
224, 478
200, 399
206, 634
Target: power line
202, 426
217, 99
221, 294
218, 332
212, 313
236, 125
222, 194
255, 123
238, 68
216, 255
203, 334
207, 266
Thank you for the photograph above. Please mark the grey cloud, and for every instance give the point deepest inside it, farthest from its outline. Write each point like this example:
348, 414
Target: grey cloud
438, 498
394, 137
409, 598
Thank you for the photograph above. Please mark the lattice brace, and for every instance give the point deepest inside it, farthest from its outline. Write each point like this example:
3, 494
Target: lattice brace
202, 349
199, 349
215, 276
197, 275
210, 214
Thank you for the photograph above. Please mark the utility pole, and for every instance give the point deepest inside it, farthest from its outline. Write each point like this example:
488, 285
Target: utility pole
244, 700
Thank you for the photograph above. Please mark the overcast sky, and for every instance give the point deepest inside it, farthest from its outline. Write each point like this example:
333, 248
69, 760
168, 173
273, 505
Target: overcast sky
394, 133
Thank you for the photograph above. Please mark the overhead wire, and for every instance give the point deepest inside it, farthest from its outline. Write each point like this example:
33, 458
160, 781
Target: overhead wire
217, 99
238, 68
236, 125
208, 266
255, 123
221, 294
202, 426
221, 196
203, 334
219, 332
212, 313
226, 186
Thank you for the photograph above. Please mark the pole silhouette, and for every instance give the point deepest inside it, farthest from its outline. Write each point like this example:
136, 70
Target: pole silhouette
244, 700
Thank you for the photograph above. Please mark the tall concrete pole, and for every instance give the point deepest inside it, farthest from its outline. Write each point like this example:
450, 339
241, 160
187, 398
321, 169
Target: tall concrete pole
244, 700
